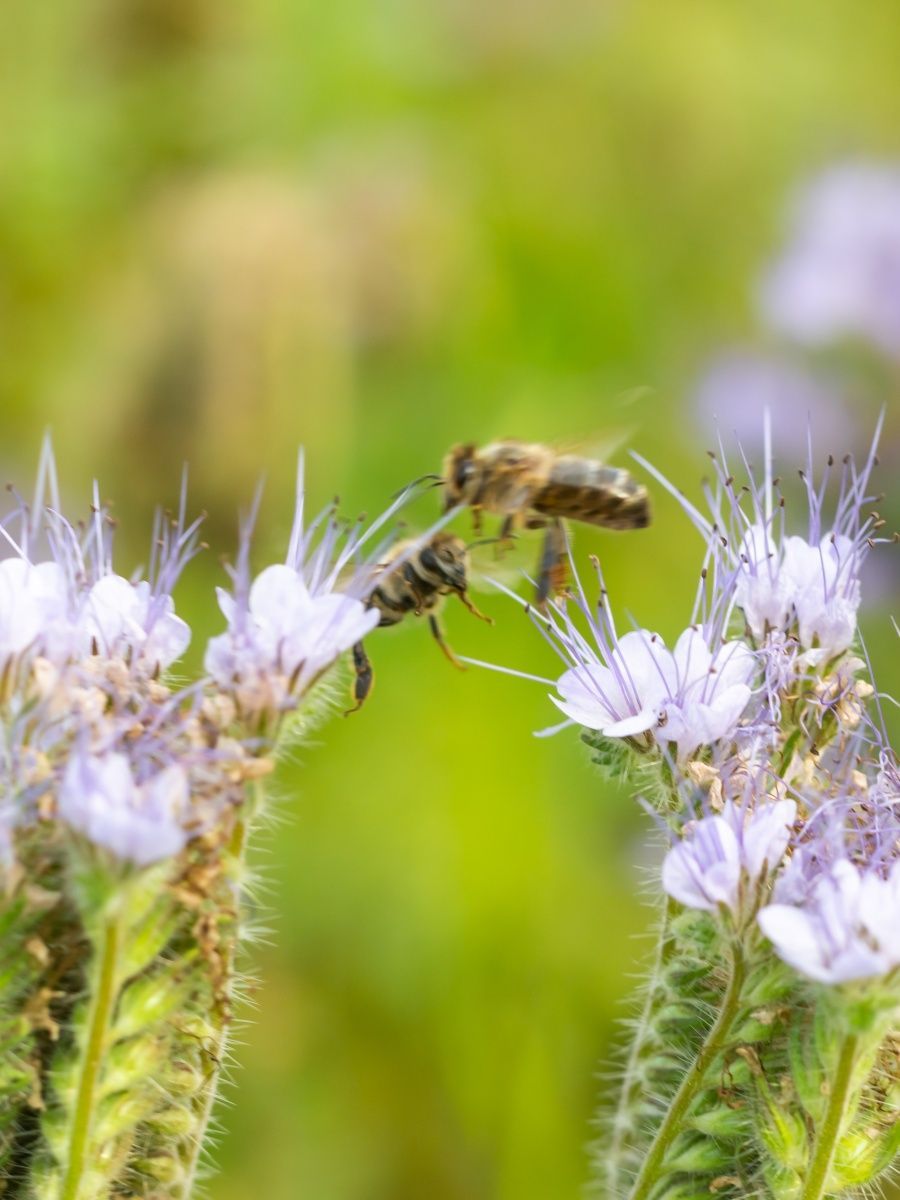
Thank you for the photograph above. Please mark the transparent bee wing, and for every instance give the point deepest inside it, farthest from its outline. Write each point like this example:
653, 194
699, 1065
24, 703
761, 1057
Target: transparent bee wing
622, 417
512, 565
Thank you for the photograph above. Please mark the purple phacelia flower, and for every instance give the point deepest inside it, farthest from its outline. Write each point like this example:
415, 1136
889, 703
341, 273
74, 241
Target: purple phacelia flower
633, 685
846, 928
124, 619
74, 606
807, 587
691, 695
295, 619
839, 275
34, 610
139, 823
720, 855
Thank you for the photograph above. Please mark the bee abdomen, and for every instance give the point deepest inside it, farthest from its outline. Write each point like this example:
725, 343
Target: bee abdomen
587, 491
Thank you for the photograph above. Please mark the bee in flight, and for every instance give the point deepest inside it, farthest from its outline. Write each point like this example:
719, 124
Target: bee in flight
415, 581
534, 487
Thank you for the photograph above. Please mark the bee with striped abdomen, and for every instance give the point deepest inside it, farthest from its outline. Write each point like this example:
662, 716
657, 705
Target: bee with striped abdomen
534, 487
415, 581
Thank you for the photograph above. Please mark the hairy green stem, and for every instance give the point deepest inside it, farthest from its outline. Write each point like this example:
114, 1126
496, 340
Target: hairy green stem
237, 852
630, 1081
99, 1019
714, 1042
830, 1130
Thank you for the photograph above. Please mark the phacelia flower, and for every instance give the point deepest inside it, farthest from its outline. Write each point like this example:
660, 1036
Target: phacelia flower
718, 853
124, 619
139, 823
839, 275
295, 619
34, 609
634, 685
806, 586
691, 695
847, 928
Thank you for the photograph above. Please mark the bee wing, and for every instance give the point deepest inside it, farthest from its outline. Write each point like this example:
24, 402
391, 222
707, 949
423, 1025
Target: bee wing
513, 566
624, 413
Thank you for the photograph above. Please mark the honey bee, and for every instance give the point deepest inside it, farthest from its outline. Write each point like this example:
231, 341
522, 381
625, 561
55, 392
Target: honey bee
415, 581
534, 487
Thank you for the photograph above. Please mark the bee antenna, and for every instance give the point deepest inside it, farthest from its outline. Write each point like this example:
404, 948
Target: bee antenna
438, 479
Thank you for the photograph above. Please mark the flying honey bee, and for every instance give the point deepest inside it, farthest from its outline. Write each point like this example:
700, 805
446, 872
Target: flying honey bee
415, 581
534, 487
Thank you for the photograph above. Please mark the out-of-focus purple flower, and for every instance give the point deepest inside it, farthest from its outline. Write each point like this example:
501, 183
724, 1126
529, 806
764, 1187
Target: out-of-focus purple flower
839, 275
125, 619
707, 868
807, 586
847, 928
737, 383
139, 823
34, 609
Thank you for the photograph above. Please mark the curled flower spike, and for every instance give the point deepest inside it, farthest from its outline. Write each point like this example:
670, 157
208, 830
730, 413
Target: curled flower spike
139, 823
807, 587
839, 275
709, 867
847, 928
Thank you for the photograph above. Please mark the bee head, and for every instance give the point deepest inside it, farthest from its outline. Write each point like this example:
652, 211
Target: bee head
446, 557
462, 476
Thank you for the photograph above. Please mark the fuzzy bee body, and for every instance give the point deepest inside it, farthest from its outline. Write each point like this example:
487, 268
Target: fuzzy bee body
534, 487
583, 490
415, 580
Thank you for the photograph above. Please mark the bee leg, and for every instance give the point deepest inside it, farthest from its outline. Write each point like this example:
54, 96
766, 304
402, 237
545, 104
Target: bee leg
439, 638
464, 596
476, 519
552, 574
506, 537
364, 678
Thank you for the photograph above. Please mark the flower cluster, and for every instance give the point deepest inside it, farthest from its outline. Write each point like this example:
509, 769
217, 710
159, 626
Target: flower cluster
125, 805
782, 812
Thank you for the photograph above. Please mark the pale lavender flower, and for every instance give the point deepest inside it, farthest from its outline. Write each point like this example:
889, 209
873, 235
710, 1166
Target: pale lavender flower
34, 609
295, 619
809, 586
720, 854
139, 823
690, 696
74, 605
124, 619
847, 928
839, 275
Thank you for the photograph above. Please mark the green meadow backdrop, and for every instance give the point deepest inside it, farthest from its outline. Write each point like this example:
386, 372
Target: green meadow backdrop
377, 228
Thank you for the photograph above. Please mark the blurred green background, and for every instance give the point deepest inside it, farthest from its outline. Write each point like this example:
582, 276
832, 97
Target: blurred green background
377, 229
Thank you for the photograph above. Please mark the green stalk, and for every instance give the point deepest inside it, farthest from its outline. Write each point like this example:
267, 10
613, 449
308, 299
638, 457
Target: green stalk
830, 1130
99, 1019
693, 1081
630, 1082
237, 852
